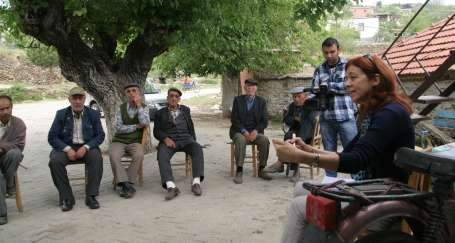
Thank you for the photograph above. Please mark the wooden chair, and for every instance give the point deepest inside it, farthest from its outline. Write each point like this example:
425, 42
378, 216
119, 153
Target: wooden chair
418, 181
315, 142
18, 196
126, 160
79, 178
253, 157
188, 164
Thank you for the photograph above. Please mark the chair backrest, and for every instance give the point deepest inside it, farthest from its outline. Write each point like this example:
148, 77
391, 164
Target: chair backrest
421, 181
317, 139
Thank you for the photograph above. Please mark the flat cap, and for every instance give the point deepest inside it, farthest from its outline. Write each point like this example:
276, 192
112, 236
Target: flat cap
297, 90
174, 90
128, 85
251, 82
76, 91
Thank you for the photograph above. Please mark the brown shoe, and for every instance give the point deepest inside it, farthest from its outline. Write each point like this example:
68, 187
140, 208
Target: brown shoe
171, 193
196, 189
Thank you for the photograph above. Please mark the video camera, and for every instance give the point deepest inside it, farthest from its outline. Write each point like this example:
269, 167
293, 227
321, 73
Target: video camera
319, 97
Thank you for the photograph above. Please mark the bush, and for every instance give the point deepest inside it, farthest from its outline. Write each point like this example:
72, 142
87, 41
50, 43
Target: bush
208, 81
20, 93
42, 56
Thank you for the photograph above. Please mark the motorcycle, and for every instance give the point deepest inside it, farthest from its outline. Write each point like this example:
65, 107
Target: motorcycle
373, 211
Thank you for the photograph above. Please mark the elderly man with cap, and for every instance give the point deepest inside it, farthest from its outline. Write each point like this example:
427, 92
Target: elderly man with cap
248, 121
299, 118
175, 130
75, 135
131, 119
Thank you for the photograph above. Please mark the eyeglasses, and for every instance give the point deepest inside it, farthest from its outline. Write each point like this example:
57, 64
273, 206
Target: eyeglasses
369, 57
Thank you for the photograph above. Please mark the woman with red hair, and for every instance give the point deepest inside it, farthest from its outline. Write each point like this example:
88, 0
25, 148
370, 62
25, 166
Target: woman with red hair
384, 126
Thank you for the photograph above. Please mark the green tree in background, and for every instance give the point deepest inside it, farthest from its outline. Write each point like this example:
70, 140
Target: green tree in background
104, 44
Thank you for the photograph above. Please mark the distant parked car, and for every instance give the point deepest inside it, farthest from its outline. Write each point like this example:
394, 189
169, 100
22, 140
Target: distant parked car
154, 99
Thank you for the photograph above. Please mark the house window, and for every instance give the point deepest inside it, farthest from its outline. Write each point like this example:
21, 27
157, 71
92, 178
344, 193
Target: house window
361, 27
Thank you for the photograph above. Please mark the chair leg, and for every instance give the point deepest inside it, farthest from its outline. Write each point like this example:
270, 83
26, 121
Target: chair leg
254, 156
232, 158
114, 183
19, 206
86, 175
188, 165
287, 169
311, 172
141, 174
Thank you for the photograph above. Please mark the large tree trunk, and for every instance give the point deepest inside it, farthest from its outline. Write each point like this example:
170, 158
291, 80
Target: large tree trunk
229, 89
102, 83
94, 65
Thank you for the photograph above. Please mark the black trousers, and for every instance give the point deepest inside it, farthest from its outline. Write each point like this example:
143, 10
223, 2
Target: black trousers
93, 163
190, 147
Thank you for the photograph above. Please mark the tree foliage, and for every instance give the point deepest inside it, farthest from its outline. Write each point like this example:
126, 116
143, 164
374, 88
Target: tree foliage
104, 44
432, 13
266, 37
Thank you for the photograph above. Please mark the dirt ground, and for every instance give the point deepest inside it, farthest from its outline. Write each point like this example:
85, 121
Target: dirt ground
252, 212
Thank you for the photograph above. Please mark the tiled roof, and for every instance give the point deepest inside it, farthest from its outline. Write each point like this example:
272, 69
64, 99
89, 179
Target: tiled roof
433, 55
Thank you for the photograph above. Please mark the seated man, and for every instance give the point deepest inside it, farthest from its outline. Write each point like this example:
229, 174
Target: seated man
12, 142
300, 117
132, 118
175, 130
75, 135
249, 119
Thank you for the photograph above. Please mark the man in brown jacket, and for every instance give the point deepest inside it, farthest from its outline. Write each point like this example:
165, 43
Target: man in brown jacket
12, 142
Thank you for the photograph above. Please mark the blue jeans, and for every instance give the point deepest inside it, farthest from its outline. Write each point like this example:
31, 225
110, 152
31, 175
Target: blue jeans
330, 130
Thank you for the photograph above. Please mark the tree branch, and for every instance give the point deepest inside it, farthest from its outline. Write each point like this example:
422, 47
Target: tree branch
139, 54
105, 46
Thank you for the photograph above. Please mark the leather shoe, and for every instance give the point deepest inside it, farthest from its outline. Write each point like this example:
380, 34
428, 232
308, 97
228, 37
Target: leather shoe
67, 205
196, 189
127, 190
172, 192
264, 175
274, 168
91, 202
10, 192
238, 179
3, 219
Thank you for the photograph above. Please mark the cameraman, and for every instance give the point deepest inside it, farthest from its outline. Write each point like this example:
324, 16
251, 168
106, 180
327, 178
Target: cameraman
337, 108
299, 119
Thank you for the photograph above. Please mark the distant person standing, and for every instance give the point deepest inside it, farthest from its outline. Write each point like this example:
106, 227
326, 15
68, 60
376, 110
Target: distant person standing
338, 116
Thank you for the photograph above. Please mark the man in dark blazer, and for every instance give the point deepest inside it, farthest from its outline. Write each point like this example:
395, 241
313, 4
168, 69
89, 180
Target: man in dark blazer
76, 134
249, 119
174, 130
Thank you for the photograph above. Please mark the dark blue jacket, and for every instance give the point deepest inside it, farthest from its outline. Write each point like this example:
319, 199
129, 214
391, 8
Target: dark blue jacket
390, 129
61, 132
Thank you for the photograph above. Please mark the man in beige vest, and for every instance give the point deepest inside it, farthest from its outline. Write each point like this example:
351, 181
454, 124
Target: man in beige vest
131, 119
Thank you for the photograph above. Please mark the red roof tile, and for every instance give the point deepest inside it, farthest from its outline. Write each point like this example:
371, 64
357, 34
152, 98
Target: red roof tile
434, 53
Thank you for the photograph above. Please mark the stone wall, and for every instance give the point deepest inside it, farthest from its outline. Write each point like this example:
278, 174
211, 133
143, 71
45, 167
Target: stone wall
275, 89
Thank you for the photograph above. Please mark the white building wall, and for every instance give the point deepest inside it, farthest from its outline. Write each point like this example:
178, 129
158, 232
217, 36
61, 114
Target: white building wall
367, 27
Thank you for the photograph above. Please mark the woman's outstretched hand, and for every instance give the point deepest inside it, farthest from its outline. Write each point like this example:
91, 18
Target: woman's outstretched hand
286, 151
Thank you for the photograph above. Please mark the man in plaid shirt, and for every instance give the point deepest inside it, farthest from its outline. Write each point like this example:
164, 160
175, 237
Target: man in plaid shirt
337, 116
